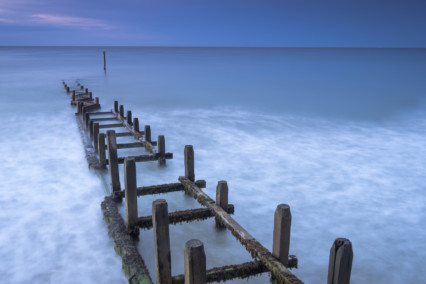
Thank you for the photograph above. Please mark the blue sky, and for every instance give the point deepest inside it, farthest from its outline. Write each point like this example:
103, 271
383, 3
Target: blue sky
299, 23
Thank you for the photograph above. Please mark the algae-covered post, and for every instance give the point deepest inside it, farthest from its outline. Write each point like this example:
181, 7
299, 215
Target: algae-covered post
147, 133
161, 150
160, 221
221, 198
129, 117
189, 162
340, 264
131, 197
281, 238
195, 262
113, 165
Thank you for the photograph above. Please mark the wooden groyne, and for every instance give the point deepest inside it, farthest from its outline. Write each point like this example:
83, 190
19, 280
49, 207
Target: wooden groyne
102, 154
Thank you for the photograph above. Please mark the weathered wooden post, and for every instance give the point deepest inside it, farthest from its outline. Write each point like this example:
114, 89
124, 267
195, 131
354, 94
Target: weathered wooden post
102, 150
136, 124
161, 150
340, 264
68, 89
79, 106
160, 222
95, 136
96, 101
73, 96
131, 198
222, 198
129, 117
113, 165
281, 240
86, 90
122, 111
116, 106
189, 162
90, 95
147, 130
104, 59
82, 87
195, 262
91, 129
87, 119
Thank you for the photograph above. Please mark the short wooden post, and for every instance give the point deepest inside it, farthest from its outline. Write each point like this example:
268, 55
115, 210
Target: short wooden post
131, 197
221, 198
87, 91
160, 221
116, 106
90, 95
91, 129
189, 162
129, 117
147, 130
282, 226
95, 136
113, 165
161, 150
102, 150
96, 101
340, 264
136, 124
195, 262
122, 111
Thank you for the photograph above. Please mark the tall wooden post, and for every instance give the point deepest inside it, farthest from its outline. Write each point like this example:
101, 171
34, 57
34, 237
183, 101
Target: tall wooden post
116, 106
160, 221
136, 124
147, 130
161, 150
131, 197
113, 165
129, 117
222, 198
122, 111
102, 150
195, 262
104, 53
95, 136
282, 226
189, 162
340, 264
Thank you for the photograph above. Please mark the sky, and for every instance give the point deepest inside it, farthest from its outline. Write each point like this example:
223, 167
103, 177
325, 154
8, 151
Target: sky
284, 23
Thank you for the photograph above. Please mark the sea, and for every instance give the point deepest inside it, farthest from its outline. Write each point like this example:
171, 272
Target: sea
337, 134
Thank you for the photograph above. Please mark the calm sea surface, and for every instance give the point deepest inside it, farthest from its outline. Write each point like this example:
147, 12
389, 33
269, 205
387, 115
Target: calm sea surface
338, 134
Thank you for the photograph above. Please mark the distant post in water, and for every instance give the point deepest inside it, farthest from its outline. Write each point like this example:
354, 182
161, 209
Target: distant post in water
104, 59
102, 150
113, 165
195, 262
340, 265
282, 226
136, 124
116, 106
131, 198
129, 117
189, 162
160, 222
221, 198
96, 101
161, 150
147, 133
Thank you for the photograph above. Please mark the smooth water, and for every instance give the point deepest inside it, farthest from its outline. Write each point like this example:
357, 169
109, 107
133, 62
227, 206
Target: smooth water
335, 133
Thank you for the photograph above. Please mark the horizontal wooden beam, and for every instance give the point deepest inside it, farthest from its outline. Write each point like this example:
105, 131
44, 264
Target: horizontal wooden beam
278, 270
129, 145
112, 125
144, 158
123, 134
182, 216
100, 113
164, 188
91, 107
103, 119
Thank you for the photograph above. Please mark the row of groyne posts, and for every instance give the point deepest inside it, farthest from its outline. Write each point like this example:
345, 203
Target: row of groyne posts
105, 150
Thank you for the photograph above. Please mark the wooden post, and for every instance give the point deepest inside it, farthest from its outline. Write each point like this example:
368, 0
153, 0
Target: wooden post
104, 59
160, 221
90, 95
122, 111
87, 91
131, 197
96, 100
116, 106
113, 165
147, 130
82, 87
102, 150
136, 124
189, 162
161, 150
79, 106
129, 117
340, 264
195, 262
73, 96
281, 239
68, 89
91, 129
95, 136
87, 119
221, 198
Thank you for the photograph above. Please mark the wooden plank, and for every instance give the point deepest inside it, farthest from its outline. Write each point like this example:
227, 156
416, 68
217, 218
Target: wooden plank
112, 125
100, 113
103, 118
145, 158
123, 134
165, 188
279, 271
129, 145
